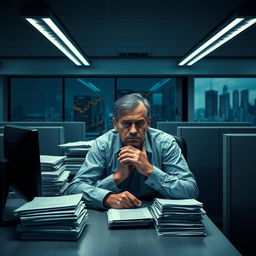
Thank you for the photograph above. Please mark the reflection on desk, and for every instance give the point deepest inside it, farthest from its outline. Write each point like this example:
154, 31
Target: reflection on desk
98, 240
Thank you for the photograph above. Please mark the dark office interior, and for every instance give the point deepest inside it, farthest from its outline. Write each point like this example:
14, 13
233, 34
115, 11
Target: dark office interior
140, 46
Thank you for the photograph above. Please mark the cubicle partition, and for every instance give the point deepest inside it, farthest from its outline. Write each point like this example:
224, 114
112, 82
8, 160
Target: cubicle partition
74, 131
239, 200
1, 146
171, 127
49, 139
204, 156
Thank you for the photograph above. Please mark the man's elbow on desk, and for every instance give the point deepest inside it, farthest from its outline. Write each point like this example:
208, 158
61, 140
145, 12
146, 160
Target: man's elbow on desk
189, 190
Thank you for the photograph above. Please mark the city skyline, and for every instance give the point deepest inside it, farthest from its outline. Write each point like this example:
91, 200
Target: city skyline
227, 104
204, 84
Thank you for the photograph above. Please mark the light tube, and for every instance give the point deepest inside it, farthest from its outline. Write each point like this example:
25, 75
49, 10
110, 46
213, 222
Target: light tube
41, 29
222, 41
233, 28
89, 85
159, 84
58, 32
211, 40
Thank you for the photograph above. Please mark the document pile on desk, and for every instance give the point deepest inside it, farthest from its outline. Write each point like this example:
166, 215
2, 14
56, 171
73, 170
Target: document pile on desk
129, 217
54, 176
178, 217
75, 153
52, 218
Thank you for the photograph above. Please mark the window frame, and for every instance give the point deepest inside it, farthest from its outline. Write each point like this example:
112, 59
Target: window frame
180, 88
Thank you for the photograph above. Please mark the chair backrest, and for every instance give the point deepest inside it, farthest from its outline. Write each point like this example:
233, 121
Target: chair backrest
182, 144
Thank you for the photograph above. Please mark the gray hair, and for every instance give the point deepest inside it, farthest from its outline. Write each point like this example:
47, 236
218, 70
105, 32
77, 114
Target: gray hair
130, 102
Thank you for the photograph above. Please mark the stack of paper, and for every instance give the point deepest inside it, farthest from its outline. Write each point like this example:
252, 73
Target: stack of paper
52, 218
178, 217
129, 217
54, 176
75, 153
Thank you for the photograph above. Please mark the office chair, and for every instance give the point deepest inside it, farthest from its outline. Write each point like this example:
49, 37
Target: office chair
182, 144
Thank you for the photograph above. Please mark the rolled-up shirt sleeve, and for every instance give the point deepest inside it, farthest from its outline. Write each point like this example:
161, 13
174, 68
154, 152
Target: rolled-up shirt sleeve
174, 179
91, 180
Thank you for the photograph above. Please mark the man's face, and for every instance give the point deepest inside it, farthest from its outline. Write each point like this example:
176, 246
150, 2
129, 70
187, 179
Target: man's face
132, 126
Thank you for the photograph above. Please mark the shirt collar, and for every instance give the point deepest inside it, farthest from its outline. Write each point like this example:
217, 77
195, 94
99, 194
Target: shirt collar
148, 145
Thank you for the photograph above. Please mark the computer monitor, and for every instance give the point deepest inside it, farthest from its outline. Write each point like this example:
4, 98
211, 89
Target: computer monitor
21, 170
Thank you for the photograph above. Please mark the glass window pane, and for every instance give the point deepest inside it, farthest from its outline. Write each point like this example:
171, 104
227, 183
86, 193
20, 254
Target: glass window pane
161, 92
90, 100
36, 99
225, 99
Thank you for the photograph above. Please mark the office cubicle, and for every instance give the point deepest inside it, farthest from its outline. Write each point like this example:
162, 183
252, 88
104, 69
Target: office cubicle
1, 145
239, 200
49, 139
74, 131
171, 127
204, 156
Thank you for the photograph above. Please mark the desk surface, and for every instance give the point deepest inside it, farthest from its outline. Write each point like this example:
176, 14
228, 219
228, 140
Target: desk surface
98, 240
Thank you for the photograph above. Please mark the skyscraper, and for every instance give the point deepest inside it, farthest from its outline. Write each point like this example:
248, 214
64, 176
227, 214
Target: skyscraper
211, 105
235, 99
224, 109
235, 110
245, 99
244, 110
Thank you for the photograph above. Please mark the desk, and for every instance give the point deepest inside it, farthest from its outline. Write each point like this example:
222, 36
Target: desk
98, 240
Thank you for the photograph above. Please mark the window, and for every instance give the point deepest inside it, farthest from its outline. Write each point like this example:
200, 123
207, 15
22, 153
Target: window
36, 99
161, 92
225, 99
90, 100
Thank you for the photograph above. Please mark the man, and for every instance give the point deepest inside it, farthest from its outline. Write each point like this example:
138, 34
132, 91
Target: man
133, 162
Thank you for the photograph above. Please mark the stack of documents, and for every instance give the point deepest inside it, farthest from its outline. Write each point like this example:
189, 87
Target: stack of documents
52, 218
178, 217
75, 153
54, 176
129, 217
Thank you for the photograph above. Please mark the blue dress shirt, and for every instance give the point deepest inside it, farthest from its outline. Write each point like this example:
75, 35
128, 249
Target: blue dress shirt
171, 177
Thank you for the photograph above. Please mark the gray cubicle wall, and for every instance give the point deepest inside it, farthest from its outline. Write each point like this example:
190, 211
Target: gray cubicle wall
171, 127
204, 156
1, 146
74, 131
49, 139
239, 197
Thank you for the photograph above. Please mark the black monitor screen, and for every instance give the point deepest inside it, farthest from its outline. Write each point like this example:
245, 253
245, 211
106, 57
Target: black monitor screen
21, 150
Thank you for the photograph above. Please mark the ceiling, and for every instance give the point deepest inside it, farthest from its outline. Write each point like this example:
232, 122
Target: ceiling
108, 28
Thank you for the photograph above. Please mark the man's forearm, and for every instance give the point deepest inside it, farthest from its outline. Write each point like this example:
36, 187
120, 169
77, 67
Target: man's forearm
92, 195
122, 173
172, 186
118, 178
121, 200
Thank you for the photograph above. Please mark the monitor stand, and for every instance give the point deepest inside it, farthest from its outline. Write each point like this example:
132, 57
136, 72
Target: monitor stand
9, 199
8, 217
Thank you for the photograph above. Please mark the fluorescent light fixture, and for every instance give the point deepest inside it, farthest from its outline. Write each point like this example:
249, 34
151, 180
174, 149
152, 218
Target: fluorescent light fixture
238, 21
41, 17
89, 85
159, 84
